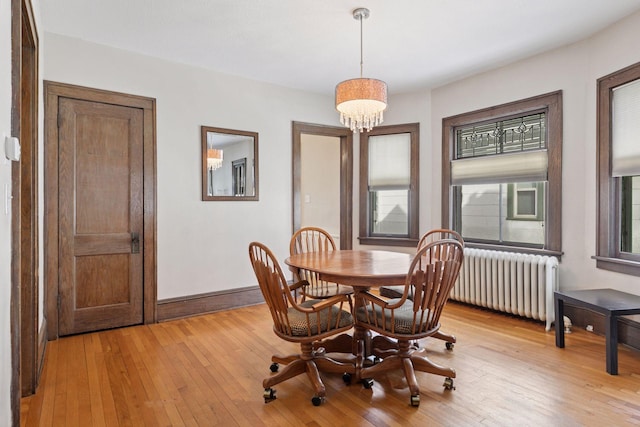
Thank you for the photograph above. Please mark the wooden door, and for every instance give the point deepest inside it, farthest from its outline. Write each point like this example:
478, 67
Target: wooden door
100, 203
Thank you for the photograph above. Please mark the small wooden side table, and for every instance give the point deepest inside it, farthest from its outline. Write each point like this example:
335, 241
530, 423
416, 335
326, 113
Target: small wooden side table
610, 303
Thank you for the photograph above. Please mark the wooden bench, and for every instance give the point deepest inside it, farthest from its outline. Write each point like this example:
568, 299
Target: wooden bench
610, 303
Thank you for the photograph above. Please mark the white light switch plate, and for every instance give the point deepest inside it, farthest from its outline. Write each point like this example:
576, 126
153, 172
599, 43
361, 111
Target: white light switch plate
12, 148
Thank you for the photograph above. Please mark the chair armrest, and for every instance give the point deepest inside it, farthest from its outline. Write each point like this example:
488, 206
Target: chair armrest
329, 302
373, 298
298, 285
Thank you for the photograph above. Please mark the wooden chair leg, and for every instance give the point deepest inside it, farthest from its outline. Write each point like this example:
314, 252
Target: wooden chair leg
388, 363
284, 360
445, 337
423, 364
410, 375
314, 376
293, 369
333, 366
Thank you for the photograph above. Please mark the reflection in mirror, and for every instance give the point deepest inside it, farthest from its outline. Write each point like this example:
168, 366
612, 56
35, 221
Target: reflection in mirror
229, 164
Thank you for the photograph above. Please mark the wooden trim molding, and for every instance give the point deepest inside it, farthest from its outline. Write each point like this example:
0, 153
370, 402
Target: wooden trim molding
608, 254
193, 305
14, 303
24, 320
346, 176
42, 346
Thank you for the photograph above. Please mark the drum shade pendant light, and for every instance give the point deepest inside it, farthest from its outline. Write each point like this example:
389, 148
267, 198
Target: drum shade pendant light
214, 159
362, 101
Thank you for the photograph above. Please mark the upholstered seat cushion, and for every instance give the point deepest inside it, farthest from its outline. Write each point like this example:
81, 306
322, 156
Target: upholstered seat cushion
326, 290
391, 291
403, 317
300, 327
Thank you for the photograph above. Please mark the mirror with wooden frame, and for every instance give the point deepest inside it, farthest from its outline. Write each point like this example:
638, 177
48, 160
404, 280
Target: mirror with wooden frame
229, 164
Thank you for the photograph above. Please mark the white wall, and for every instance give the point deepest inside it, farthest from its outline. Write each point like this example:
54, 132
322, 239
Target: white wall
202, 246
574, 70
5, 220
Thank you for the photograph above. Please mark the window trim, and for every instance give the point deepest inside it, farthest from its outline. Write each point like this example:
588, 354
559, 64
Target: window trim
608, 254
551, 103
365, 237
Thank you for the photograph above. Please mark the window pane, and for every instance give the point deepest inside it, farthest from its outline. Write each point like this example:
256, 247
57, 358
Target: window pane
526, 202
483, 216
630, 215
480, 211
389, 212
625, 151
505, 136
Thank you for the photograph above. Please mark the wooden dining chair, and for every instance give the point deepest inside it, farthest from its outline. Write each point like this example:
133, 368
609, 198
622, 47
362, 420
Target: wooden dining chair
315, 239
396, 291
298, 321
431, 275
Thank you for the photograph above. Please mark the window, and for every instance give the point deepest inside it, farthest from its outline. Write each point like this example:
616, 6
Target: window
389, 185
525, 201
502, 175
618, 169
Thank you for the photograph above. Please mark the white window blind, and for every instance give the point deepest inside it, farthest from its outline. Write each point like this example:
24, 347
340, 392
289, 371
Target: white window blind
625, 130
529, 166
389, 160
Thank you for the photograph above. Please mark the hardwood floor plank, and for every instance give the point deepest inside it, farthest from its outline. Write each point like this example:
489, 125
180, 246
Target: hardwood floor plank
208, 370
98, 411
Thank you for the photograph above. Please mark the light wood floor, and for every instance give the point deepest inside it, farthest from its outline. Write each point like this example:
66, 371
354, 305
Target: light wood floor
208, 371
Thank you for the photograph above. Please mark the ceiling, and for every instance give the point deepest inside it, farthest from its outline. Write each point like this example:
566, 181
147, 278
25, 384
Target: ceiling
313, 44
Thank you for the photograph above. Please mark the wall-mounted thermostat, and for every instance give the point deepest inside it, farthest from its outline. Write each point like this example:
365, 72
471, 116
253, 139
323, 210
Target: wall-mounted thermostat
12, 148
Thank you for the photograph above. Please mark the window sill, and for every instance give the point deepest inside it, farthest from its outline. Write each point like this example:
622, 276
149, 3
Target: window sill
389, 241
618, 265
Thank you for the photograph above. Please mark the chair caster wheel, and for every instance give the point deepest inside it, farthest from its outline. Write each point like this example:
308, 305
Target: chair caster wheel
269, 395
317, 400
449, 345
415, 400
448, 384
274, 367
346, 378
367, 383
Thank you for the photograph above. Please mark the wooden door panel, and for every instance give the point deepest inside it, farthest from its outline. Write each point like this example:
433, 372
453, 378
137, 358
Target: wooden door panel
101, 208
109, 279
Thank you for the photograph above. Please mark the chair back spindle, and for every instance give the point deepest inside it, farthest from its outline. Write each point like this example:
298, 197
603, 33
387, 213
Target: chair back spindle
315, 239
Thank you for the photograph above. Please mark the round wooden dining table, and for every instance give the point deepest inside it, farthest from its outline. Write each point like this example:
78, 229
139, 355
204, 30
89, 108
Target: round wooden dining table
362, 269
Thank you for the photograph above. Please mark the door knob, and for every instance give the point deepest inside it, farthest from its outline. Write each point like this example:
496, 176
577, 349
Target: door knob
135, 243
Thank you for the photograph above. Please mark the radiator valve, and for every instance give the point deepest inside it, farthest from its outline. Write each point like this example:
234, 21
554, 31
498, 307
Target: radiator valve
567, 325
